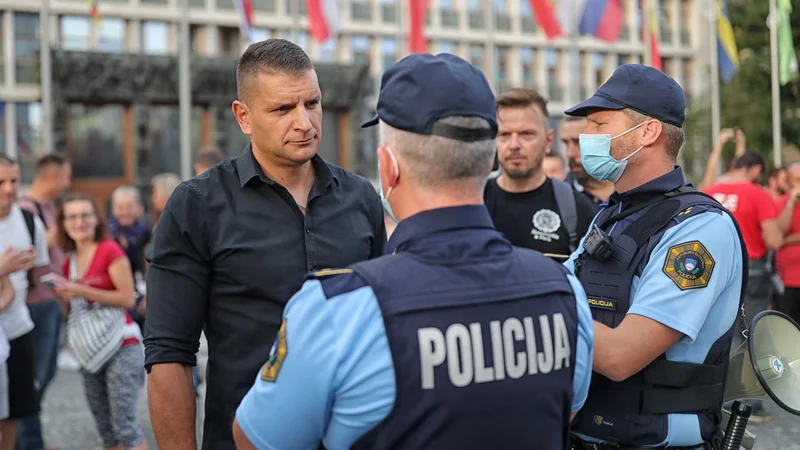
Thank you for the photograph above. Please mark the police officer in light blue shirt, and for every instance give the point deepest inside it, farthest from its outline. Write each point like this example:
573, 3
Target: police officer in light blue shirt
662, 267
455, 339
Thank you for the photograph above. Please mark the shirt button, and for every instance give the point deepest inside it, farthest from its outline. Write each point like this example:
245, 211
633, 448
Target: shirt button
308, 230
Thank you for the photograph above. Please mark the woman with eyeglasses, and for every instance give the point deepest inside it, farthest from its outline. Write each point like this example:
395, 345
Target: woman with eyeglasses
98, 287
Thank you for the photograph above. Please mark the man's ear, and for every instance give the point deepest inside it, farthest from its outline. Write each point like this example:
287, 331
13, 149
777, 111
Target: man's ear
388, 169
242, 113
551, 134
652, 131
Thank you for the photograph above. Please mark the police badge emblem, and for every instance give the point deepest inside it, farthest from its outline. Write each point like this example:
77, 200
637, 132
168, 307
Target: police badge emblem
276, 356
689, 265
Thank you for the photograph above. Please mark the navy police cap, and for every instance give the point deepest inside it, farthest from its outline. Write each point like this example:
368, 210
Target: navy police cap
421, 89
640, 88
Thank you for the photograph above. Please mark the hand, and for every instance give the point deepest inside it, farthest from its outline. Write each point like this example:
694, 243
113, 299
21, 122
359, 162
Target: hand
739, 135
16, 260
69, 290
726, 135
795, 194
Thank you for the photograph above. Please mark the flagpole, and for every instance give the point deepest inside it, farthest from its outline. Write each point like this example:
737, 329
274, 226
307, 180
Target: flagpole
46, 77
776, 94
648, 34
491, 69
295, 12
714, 67
185, 91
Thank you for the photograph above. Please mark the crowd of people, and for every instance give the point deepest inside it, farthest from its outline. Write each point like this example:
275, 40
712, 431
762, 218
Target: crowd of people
203, 297
70, 279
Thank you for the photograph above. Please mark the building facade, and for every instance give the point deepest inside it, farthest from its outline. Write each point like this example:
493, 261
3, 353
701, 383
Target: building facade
114, 137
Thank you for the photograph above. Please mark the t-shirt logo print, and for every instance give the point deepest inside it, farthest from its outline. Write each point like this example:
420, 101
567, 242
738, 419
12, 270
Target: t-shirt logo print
545, 225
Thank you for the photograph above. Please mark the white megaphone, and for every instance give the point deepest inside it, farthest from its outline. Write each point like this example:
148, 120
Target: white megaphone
765, 366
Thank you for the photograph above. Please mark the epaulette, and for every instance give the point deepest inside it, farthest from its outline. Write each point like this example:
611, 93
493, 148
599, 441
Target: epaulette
327, 273
336, 282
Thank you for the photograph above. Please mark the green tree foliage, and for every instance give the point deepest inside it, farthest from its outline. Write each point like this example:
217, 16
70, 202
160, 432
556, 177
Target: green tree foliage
746, 101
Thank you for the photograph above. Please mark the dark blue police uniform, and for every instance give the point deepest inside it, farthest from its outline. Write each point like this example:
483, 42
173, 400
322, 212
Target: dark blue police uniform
670, 253
454, 340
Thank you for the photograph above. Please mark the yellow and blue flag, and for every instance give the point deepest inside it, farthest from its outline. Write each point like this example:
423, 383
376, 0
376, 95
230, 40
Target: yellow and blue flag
727, 53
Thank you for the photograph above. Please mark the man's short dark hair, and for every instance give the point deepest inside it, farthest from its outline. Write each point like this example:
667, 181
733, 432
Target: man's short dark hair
6, 160
268, 57
209, 157
750, 159
522, 98
49, 161
775, 171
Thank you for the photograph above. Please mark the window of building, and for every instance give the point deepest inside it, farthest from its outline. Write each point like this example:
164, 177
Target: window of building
501, 60
598, 61
29, 126
389, 10
665, 20
360, 10
688, 72
95, 141
527, 56
260, 34
475, 5
477, 53
556, 85
301, 40
163, 135
388, 52
264, 5
225, 4
327, 51
26, 45
446, 47
686, 21
361, 49
75, 32
111, 35
155, 37
445, 4
500, 6
525, 9
229, 41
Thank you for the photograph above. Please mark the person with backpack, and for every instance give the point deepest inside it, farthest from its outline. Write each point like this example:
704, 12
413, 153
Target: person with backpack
23, 236
53, 174
530, 209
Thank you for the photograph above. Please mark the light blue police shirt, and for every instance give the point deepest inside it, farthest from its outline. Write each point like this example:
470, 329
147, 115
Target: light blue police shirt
337, 380
703, 315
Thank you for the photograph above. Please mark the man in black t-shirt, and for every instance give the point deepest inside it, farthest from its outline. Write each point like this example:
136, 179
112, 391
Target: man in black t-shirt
523, 202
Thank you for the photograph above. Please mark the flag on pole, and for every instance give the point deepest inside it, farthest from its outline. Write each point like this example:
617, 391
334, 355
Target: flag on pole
94, 12
727, 53
547, 18
787, 57
603, 19
416, 26
650, 33
323, 19
245, 10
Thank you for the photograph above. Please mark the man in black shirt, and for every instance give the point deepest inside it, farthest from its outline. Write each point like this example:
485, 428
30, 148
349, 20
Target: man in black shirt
234, 244
531, 210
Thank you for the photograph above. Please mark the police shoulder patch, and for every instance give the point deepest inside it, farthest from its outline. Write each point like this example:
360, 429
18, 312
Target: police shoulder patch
277, 355
689, 265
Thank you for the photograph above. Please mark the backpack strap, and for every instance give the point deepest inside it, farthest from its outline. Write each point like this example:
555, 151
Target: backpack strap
31, 225
565, 199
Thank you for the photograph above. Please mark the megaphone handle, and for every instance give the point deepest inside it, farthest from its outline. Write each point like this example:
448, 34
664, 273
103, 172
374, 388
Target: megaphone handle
737, 425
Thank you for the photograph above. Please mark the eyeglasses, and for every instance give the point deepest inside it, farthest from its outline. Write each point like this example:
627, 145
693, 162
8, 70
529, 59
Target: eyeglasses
76, 217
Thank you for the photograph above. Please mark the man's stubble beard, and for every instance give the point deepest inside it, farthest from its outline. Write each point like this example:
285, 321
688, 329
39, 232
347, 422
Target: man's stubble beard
538, 161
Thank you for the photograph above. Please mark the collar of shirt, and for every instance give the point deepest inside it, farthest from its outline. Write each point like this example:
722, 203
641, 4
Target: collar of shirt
660, 185
249, 169
433, 221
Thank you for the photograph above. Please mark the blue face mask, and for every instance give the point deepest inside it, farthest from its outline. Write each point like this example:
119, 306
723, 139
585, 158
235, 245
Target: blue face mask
385, 199
596, 156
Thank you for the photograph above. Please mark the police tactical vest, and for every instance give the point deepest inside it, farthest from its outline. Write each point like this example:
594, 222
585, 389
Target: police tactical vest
480, 361
634, 412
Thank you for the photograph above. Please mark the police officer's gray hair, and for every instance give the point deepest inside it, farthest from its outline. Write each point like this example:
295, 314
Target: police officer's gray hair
166, 183
673, 136
433, 160
129, 191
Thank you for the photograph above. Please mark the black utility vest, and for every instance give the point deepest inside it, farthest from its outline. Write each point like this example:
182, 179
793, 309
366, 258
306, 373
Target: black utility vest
634, 412
481, 361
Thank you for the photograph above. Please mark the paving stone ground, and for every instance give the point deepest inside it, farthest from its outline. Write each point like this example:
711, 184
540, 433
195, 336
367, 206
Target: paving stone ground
69, 425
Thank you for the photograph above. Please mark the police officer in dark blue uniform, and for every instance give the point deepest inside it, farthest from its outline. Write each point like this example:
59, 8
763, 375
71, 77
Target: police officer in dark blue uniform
662, 267
456, 340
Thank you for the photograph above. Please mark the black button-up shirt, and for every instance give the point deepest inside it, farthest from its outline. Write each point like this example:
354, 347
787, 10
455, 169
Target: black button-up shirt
230, 249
